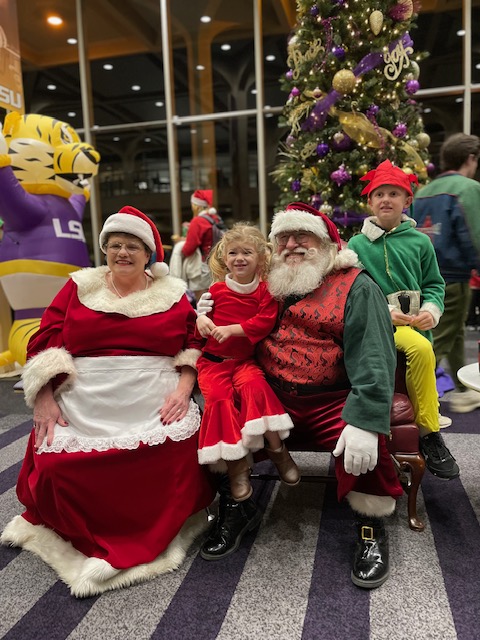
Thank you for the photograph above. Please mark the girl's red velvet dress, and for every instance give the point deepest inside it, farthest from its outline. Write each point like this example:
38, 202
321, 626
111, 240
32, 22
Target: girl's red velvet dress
117, 488
240, 405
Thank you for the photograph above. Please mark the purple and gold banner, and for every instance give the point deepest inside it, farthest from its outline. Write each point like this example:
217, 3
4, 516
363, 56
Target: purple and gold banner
11, 86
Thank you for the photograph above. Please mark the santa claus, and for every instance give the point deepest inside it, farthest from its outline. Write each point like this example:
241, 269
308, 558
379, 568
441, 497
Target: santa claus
331, 360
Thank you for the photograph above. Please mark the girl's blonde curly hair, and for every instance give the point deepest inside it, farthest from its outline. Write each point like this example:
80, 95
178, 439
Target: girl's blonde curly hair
242, 232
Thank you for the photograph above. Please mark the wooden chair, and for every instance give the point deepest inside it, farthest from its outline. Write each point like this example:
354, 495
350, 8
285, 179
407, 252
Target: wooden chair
403, 445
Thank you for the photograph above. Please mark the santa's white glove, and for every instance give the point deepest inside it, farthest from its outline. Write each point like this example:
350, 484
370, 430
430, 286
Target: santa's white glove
359, 448
205, 304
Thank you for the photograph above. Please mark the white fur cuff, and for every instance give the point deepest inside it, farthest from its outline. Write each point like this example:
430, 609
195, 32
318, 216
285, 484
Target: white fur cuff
370, 505
43, 367
91, 576
187, 358
433, 309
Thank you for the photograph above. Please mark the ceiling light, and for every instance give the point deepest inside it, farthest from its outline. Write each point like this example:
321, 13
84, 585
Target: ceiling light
477, 66
427, 110
253, 91
96, 126
108, 67
116, 138
51, 87
148, 139
461, 32
458, 99
71, 114
55, 21
270, 58
226, 47
72, 41
159, 104
206, 141
136, 87
200, 67
193, 131
205, 19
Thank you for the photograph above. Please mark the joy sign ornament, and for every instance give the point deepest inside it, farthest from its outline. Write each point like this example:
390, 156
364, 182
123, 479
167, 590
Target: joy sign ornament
396, 60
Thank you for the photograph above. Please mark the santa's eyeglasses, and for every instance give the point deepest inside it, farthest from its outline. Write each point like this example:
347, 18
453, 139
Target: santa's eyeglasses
300, 237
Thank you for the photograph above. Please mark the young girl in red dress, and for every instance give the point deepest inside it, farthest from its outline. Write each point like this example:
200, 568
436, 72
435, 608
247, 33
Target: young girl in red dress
241, 409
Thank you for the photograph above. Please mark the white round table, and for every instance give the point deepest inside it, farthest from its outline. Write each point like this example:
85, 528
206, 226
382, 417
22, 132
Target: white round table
469, 375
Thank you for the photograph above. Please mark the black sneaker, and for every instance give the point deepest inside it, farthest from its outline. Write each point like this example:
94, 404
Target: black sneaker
438, 458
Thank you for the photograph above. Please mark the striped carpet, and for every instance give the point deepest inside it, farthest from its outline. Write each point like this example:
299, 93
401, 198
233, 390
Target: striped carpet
289, 580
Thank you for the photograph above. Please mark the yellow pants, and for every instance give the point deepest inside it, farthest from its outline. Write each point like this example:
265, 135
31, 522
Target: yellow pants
420, 378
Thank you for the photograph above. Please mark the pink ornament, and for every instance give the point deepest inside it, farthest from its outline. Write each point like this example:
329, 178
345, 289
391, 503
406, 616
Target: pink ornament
295, 92
400, 130
340, 176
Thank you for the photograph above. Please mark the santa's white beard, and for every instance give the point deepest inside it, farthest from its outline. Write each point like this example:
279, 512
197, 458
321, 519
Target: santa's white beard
301, 278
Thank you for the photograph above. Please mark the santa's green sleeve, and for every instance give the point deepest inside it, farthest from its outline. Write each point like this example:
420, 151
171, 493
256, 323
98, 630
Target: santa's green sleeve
370, 357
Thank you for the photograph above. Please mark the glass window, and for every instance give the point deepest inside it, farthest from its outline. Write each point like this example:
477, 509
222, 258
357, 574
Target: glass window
438, 35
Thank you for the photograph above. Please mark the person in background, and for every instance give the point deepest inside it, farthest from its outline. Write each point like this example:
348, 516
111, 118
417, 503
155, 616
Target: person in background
241, 410
473, 316
402, 262
448, 211
194, 250
111, 485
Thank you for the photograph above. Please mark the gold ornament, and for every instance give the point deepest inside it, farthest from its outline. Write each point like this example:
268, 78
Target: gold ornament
362, 170
344, 81
376, 21
415, 69
423, 140
413, 158
308, 150
360, 129
407, 170
327, 210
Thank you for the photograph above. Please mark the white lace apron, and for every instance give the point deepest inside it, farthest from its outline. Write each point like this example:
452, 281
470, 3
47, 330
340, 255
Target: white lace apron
114, 404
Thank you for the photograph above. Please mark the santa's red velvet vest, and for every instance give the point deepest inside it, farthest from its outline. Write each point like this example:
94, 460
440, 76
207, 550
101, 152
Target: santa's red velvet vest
307, 345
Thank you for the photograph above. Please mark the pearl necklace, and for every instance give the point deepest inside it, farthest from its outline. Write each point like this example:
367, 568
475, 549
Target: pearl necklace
147, 282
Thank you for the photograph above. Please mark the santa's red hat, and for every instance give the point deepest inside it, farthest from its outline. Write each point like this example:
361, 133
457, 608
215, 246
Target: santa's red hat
132, 221
387, 173
202, 198
299, 216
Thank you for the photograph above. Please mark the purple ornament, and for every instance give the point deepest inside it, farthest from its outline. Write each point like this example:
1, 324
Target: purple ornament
400, 130
316, 201
339, 3
340, 176
412, 86
314, 11
372, 111
290, 141
431, 168
339, 53
295, 92
296, 185
341, 142
322, 149
289, 74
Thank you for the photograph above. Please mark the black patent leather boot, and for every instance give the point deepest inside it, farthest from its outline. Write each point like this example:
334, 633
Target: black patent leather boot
233, 521
370, 561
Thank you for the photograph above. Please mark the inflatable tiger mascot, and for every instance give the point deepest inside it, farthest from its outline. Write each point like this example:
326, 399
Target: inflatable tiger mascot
44, 186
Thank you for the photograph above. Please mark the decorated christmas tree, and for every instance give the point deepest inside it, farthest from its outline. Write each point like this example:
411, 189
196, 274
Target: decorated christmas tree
353, 74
